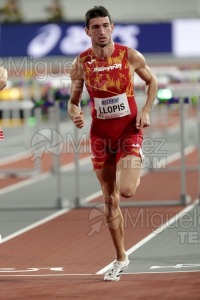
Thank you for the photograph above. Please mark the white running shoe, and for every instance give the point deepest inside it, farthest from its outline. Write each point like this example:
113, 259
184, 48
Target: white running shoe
114, 273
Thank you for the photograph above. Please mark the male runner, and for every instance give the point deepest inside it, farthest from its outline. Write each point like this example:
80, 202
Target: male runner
116, 129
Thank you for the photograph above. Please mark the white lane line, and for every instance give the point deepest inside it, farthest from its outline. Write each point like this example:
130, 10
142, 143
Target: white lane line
14, 158
65, 168
92, 197
164, 272
63, 211
154, 233
176, 156
24, 182
83, 161
34, 225
92, 274
44, 275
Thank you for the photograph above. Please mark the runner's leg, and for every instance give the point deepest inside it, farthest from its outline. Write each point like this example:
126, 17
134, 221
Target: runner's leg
114, 218
128, 175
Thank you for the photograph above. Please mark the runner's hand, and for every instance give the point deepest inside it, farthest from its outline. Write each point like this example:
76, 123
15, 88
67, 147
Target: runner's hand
142, 120
78, 120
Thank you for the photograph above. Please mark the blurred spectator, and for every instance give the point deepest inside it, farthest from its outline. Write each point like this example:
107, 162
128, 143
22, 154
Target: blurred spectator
55, 11
11, 12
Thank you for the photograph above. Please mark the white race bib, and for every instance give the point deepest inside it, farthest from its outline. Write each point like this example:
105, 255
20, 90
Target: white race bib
112, 107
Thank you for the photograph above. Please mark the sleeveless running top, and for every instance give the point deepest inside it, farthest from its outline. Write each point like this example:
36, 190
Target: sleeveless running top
109, 84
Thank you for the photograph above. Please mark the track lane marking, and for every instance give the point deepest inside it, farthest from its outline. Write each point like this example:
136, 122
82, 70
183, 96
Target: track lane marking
34, 225
86, 160
25, 182
93, 274
154, 233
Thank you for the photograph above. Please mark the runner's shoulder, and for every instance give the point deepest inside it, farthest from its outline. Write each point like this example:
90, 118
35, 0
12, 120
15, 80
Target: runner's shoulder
76, 71
135, 57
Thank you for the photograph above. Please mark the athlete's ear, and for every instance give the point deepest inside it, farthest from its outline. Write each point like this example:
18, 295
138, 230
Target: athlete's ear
87, 31
112, 27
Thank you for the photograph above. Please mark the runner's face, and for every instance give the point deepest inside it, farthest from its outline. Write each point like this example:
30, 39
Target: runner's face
100, 31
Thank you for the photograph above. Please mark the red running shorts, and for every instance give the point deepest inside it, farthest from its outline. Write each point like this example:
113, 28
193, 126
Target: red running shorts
108, 152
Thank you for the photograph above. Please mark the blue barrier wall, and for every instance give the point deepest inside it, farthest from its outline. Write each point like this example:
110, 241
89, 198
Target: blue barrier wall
69, 39
177, 38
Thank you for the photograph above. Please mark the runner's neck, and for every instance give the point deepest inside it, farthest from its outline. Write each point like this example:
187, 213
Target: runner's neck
104, 53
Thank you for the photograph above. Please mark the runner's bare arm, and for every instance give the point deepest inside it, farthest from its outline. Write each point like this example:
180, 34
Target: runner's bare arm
77, 83
3, 78
138, 65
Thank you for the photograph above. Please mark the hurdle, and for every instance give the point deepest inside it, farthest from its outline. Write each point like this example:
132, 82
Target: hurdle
185, 93
198, 140
180, 93
15, 109
54, 122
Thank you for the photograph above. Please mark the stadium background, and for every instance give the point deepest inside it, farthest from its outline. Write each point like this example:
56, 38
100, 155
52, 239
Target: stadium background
42, 177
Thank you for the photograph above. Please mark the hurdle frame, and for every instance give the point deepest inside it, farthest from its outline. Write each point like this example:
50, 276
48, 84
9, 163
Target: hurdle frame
26, 106
184, 197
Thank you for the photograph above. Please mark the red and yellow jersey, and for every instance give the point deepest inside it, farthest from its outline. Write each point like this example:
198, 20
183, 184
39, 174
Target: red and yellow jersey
109, 84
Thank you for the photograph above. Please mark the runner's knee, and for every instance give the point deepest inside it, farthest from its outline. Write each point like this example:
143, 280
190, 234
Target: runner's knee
129, 191
126, 192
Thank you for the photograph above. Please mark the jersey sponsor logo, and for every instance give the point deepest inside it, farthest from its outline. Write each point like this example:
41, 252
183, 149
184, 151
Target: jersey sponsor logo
115, 66
110, 101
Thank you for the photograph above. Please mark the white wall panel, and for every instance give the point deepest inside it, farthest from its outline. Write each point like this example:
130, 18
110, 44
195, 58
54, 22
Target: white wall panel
185, 37
121, 10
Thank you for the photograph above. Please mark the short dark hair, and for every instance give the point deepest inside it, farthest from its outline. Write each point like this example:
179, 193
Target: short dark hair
96, 11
